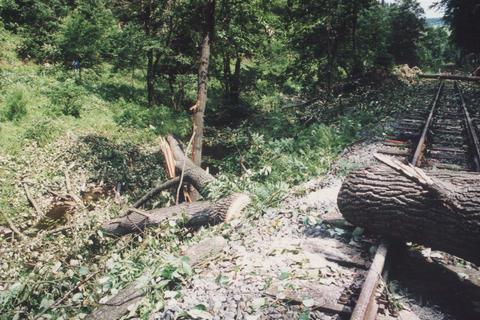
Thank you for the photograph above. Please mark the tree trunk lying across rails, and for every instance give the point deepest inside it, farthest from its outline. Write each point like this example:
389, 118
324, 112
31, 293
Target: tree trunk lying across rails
119, 305
449, 77
441, 211
197, 214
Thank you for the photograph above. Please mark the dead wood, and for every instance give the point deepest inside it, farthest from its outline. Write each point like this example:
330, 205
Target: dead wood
193, 174
14, 229
449, 77
324, 298
132, 294
437, 209
196, 215
32, 201
156, 190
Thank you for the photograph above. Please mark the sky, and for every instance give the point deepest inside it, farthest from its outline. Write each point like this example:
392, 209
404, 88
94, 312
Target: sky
430, 13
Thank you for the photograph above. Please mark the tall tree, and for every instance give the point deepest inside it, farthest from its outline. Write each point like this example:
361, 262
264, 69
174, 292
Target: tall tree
463, 16
152, 18
83, 35
36, 22
407, 25
208, 23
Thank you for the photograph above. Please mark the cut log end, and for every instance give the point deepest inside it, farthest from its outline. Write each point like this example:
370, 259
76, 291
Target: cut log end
443, 215
238, 202
197, 215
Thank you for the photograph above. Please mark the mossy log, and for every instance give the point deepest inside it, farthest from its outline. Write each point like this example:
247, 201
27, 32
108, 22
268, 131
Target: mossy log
440, 210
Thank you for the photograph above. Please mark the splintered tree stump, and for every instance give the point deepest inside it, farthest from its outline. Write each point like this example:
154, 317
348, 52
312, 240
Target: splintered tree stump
196, 215
440, 210
193, 174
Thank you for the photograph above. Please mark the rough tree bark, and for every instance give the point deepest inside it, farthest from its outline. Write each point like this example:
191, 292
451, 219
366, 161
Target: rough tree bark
199, 107
196, 214
440, 209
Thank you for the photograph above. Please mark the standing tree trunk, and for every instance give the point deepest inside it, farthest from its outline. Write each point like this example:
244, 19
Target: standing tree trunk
356, 68
150, 79
235, 86
226, 73
147, 26
199, 108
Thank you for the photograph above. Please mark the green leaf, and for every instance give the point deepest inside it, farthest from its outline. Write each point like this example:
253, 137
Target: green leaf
284, 275
221, 280
187, 269
83, 271
199, 312
45, 303
308, 302
304, 315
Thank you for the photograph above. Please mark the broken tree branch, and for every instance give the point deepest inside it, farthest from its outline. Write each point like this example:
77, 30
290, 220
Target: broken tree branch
15, 230
156, 190
32, 201
448, 77
182, 174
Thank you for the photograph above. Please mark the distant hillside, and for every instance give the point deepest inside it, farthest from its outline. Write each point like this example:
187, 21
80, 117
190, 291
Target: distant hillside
435, 22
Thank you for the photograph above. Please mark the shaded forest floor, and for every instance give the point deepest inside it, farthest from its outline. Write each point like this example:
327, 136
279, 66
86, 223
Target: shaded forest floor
84, 151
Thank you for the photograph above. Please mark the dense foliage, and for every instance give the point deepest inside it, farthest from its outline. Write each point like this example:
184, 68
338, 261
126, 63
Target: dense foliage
463, 16
312, 45
87, 86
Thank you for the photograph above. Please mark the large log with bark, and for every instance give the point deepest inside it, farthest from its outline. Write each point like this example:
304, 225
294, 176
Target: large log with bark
438, 209
196, 215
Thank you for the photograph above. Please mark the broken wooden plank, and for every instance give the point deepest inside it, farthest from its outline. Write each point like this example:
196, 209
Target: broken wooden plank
325, 298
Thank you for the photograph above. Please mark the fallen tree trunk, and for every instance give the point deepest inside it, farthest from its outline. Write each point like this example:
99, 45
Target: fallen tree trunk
119, 305
448, 77
196, 215
192, 173
437, 209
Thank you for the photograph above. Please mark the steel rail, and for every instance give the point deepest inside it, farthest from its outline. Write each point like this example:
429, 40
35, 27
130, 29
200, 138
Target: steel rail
366, 307
423, 138
472, 134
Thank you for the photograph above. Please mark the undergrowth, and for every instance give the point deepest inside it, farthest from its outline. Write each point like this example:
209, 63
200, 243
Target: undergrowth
100, 133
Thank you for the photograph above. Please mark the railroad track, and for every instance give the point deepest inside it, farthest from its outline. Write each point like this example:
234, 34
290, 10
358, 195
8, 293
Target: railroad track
441, 137
444, 136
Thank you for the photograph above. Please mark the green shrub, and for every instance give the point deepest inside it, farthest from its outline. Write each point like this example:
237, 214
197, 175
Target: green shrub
67, 98
161, 119
42, 131
15, 105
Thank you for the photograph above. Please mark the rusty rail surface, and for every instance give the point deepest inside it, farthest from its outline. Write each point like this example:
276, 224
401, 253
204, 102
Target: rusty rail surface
423, 138
366, 307
472, 134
